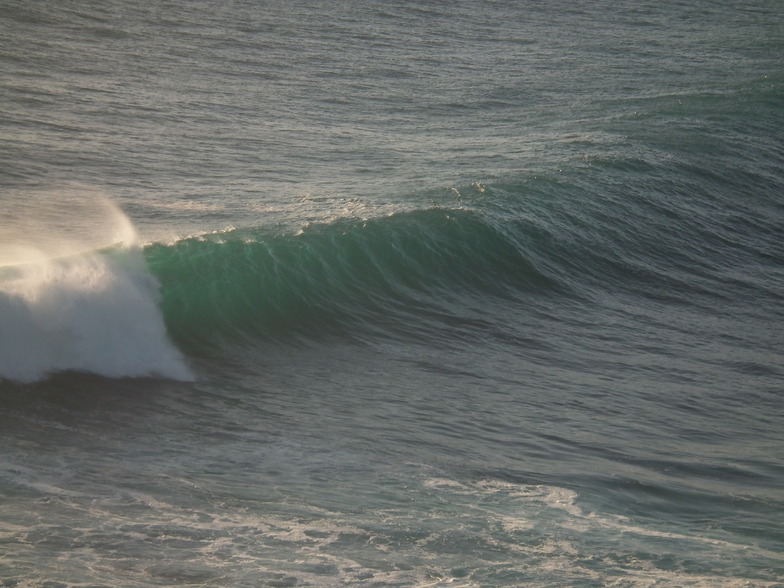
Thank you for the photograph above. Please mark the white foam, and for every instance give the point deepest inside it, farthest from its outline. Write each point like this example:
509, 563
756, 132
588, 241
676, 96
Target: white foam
86, 313
64, 308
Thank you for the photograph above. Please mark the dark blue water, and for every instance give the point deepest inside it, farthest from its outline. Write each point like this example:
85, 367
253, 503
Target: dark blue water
468, 294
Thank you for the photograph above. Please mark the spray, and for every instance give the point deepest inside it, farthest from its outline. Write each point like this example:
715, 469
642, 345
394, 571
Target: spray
75, 293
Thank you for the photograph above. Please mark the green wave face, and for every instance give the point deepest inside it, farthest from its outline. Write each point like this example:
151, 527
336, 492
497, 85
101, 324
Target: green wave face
340, 278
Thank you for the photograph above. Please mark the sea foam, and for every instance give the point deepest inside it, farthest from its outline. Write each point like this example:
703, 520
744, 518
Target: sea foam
95, 310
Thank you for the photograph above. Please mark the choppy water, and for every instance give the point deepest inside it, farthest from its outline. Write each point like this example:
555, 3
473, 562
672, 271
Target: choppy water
391, 294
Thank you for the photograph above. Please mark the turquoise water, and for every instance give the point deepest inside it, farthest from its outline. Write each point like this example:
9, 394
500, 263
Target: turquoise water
391, 294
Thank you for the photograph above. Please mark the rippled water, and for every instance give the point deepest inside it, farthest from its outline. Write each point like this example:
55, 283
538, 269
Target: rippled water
389, 294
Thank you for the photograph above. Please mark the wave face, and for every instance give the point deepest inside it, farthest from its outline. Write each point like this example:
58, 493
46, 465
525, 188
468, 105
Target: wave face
395, 275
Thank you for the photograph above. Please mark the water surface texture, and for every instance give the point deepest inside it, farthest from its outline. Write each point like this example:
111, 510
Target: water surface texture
470, 293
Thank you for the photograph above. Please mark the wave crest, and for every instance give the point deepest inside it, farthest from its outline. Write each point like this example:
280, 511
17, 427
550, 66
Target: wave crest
66, 304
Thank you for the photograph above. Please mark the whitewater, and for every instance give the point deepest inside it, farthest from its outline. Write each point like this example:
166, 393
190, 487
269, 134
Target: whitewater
65, 305
391, 294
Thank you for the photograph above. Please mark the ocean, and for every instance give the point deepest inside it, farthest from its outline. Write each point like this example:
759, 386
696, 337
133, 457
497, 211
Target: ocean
470, 293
